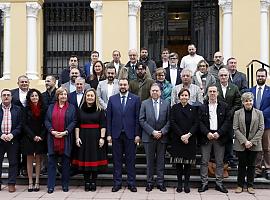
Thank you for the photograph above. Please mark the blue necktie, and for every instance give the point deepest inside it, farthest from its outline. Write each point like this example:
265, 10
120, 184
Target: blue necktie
259, 98
123, 103
155, 109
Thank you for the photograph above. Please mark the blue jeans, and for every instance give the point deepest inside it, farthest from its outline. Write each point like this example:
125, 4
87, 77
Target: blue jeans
52, 161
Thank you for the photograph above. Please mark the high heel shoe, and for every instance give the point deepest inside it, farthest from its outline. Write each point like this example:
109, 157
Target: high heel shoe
36, 188
30, 187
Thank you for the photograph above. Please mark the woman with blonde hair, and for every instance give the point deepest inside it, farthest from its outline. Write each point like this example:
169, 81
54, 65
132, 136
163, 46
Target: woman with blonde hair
90, 153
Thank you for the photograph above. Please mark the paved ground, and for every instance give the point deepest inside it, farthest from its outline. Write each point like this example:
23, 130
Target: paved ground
105, 193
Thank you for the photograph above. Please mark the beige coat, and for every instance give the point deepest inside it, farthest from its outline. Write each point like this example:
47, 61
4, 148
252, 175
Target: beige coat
255, 133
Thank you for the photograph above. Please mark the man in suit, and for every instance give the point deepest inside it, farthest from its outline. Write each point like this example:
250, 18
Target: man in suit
73, 62
261, 93
123, 131
164, 62
173, 71
229, 94
154, 120
88, 67
236, 77
76, 97
70, 86
11, 122
141, 85
19, 99
49, 94
214, 124
116, 62
108, 87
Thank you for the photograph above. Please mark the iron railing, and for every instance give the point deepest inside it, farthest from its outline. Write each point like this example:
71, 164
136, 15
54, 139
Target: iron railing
68, 29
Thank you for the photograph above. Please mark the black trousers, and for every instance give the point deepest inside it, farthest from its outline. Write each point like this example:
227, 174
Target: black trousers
246, 167
183, 169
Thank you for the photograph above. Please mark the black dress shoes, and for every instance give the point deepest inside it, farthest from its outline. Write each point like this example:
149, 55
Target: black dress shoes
221, 188
179, 189
186, 189
267, 176
93, 187
65, 189
162, 188
50, 190
203, 188
132, 188
87, 187
149, 188
116, 188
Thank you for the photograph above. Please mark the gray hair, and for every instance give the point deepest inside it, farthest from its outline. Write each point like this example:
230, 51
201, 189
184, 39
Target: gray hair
247, 96
223, 70
80, 79
186, 70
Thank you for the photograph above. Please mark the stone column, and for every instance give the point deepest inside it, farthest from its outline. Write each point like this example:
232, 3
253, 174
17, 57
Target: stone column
226, 6
133, 8
32, 9
97, 7
5, 7
264, 46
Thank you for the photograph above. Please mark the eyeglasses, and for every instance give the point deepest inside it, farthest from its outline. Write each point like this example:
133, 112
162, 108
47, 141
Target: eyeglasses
6, 95
173, 58
223, 75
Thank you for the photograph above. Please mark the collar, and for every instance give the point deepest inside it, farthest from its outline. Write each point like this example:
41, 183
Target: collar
222, 86
257, 87
126, 95
6, 107
158, 100
20, 91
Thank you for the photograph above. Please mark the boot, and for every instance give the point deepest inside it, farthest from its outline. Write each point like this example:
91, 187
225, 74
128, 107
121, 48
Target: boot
87, 187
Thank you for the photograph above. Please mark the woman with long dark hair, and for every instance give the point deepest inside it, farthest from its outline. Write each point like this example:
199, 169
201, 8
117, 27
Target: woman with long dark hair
98, 74
34, 140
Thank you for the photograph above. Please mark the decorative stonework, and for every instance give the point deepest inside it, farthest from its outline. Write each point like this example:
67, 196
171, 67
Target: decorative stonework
32, 9
133, 7
265, 5
226, 5
5, 7
97, 7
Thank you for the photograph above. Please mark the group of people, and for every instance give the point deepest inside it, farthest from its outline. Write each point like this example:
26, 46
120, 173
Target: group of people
184, 104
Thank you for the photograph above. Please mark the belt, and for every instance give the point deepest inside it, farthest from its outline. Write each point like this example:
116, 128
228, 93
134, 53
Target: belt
90, 126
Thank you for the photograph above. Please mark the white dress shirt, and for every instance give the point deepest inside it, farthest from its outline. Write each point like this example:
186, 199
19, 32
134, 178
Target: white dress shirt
257, 89
110, 89
22, 96
79, 98
173, 75
158, 105
213, 116
224, 89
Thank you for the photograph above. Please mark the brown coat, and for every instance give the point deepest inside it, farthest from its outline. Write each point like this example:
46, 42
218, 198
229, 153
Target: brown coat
255, 133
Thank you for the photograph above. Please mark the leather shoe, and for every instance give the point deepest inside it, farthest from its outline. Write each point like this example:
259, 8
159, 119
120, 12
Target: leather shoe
132, 188
149, 188
50, 190
11, 188
87, 187
116, 188
267, 176
186, 189
179, 189
162, 188
221, 188
93, 187
65, 189
203, 188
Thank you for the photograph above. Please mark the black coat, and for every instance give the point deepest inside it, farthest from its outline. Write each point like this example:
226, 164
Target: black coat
183, 120
223, 118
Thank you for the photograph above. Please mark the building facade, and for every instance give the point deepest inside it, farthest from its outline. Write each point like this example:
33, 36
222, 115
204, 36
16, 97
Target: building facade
37, 36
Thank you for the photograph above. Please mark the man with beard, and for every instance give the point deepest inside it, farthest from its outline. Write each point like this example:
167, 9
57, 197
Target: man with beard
144, 58
49, 94
191, 60
108, 87
218, 64
141, 86
196, 95
123, 131
72, 63
70, 86
261, 93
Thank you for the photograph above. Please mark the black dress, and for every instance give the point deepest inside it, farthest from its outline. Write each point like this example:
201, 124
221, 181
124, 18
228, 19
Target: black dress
183, 120
89, 156
32, 127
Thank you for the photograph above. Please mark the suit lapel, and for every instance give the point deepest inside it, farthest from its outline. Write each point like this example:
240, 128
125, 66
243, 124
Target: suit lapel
242, 120
253, 120
265, 93
106, 89
128, 101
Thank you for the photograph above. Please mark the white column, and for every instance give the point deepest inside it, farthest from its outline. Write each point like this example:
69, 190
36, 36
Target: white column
5, 7
264, 31
97, 7
226, 6
32, 9
133, 8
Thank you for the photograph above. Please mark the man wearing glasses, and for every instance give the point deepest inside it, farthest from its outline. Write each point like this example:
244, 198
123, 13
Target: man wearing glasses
173, 72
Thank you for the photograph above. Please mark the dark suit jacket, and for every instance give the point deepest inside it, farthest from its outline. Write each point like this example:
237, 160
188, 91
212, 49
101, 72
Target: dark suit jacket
223, 119
64, 77
129, 117
72, 98
240, 80
16, 98
149, 123
232, 97
265, 104
160, 64
16, 118
178, 78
